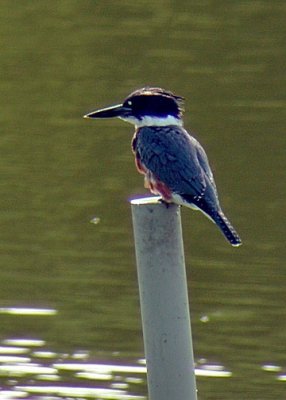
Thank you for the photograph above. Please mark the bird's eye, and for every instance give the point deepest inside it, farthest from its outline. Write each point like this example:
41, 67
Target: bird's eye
129, 102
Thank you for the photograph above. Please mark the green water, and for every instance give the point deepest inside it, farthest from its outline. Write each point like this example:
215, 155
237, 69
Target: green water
62, 59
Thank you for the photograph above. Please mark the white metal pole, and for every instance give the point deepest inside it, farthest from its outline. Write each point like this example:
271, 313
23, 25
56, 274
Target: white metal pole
164, 300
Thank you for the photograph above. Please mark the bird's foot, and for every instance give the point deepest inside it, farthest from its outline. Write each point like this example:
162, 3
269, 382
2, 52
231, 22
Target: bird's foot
166, 203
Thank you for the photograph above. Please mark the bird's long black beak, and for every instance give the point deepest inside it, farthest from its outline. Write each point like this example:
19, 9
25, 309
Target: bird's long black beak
110, 112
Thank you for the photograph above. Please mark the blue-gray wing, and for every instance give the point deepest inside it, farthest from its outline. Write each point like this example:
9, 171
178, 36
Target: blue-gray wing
176, 159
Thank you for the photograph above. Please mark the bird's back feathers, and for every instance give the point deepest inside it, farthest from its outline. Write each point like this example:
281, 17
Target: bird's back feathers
173, 159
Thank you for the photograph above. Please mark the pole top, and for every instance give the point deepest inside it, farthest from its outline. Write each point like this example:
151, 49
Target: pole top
146, 200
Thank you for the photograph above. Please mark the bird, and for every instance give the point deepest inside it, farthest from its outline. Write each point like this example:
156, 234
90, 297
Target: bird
174, 164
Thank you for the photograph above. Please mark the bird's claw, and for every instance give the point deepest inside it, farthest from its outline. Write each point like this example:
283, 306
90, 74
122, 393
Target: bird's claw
164, 202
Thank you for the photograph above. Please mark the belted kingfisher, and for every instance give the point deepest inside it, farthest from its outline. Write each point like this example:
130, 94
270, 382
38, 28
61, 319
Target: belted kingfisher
174, 164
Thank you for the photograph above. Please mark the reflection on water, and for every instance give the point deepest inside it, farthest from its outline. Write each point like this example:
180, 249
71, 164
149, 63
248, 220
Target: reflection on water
72, 284
26, 311
28, 368
45, 373
36, 372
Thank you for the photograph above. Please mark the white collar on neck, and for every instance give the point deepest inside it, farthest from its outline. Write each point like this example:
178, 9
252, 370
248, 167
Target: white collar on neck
153, 121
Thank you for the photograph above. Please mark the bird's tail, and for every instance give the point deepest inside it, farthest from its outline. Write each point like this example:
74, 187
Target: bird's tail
227, 229
214, 213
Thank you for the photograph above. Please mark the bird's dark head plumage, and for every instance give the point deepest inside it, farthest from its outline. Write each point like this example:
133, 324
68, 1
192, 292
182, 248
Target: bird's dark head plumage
154, 102
146, 107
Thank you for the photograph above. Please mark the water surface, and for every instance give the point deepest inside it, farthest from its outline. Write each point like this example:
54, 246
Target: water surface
60, 60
